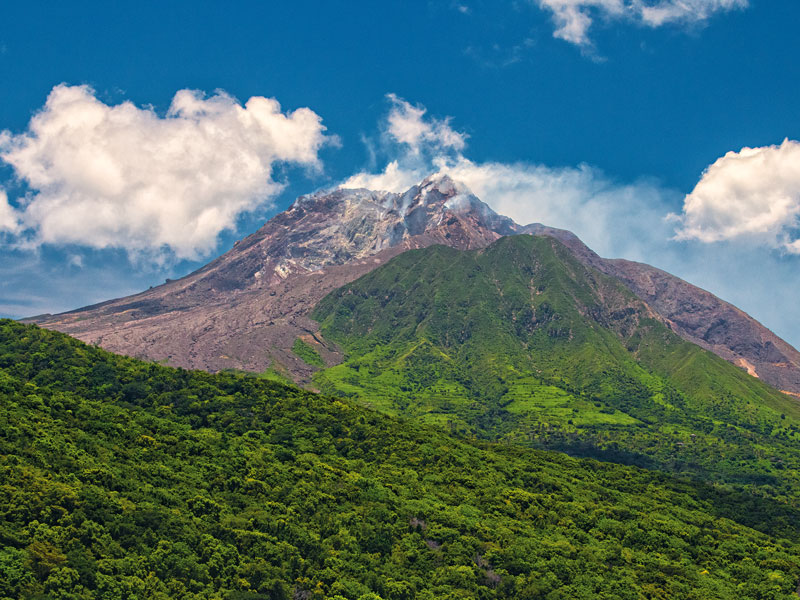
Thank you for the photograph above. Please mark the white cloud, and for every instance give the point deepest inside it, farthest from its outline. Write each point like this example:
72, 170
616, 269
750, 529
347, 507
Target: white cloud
407, 125
393, 178
9, 219
123, 176
676, 11
613, 218
414, 142
573, 18
751, 195
75, 260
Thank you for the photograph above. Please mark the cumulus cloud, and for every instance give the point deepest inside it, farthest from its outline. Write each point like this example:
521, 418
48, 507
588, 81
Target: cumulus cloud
407, 125
126, 177
613, 218
9, 219
688, 11
415, 143
753, 194
393, 178
573, 18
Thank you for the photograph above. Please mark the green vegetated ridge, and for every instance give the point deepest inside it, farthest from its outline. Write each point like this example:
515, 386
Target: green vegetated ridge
521, 342
121, 479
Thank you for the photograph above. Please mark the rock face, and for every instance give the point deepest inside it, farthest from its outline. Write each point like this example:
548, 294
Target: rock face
245, 309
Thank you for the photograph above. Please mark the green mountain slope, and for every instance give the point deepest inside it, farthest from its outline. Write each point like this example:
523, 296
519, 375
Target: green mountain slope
124, 479
522, 342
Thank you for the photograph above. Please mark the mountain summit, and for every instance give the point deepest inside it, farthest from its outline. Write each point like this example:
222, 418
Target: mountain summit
333, 228
248, 308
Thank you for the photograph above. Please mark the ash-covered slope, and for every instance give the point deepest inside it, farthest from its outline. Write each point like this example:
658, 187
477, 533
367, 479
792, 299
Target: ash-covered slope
339, 227
701, 318
246, 309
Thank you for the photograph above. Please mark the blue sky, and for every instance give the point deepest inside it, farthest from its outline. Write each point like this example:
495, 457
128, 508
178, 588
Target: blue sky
601, 116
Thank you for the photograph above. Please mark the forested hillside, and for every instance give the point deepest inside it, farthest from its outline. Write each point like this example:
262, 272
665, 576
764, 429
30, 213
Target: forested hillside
521, 342
126, 479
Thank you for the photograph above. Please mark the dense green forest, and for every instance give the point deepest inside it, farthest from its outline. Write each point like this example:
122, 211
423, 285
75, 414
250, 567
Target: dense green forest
126, 479
521, 342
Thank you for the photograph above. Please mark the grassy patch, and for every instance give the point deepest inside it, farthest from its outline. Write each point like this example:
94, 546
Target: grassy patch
307, 353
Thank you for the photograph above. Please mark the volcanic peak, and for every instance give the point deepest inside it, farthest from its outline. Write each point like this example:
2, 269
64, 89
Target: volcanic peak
245, 309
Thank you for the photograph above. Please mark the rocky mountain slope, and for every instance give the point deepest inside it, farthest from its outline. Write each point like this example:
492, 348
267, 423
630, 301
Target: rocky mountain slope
246, 309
